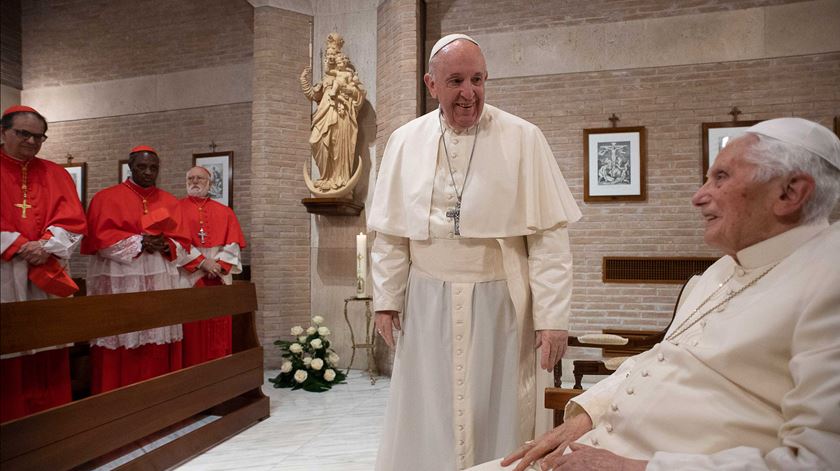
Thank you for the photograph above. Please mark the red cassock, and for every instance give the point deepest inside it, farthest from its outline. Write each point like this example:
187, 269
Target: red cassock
32, 382
215, 232
119, 265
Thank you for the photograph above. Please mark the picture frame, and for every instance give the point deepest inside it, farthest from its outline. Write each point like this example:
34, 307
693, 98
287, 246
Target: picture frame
220, 166
837, 125
124, 171
78, 172
614, 164
714, 136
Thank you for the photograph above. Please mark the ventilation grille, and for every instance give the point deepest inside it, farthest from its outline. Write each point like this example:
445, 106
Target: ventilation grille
674, 270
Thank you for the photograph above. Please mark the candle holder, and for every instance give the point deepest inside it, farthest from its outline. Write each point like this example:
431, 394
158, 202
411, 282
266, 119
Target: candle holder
361, 279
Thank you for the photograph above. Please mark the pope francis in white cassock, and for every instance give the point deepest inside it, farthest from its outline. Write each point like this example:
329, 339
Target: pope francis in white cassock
472, 250
748, 375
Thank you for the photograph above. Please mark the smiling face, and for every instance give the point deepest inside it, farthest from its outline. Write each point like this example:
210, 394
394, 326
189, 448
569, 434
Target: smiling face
738, 211
456, 78
144, 168
198, 182
19, 147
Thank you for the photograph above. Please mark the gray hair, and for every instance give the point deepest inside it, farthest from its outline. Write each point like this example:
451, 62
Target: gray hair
775, 158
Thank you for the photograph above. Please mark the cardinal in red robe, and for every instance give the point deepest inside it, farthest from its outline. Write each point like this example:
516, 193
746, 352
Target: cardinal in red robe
41, 222
136, 240
217, 240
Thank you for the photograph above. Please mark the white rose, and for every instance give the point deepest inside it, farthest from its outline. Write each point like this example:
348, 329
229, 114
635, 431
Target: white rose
317, 364
323, 331
302, 339
333, 358
300, 376
307, 361
286, 367
297, 330
316, 343
311, 330
317, 320
329, 375
295, 348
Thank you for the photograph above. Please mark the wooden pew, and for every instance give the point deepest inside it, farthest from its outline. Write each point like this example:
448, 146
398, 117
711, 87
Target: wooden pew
75, 433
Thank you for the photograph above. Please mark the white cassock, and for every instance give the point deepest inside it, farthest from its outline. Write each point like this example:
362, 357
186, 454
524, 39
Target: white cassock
464, 387
753, 385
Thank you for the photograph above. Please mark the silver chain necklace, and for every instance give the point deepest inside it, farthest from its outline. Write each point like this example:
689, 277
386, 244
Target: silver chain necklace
691, 320
455, 213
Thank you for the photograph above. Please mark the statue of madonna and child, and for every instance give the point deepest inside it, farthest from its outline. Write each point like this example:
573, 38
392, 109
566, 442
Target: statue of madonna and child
335, 126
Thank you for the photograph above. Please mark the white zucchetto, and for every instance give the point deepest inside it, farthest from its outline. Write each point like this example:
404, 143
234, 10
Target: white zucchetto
444, 41
803, 133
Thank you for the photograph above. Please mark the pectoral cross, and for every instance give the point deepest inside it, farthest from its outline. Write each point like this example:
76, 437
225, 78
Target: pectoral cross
455, 215
202, 234
23, 206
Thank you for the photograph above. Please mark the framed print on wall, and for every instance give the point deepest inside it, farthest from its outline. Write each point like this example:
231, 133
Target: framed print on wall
78, 172
124, 171
715, 136
614, 164
220, 166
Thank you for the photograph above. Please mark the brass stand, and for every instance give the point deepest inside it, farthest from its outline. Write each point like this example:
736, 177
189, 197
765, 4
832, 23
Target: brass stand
369, 338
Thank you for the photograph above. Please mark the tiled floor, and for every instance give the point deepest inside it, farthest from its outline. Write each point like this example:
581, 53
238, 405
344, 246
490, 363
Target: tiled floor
335, 430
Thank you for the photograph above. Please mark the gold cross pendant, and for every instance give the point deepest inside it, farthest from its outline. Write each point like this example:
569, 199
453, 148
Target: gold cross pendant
23, 207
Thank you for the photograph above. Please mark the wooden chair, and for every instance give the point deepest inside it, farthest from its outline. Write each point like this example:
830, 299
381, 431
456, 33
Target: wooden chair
70, 435
615, 345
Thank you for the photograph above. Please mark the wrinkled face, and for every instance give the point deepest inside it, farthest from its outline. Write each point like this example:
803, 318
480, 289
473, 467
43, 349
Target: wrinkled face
737, 210
144, 168
456, 79
27, 146
198, 182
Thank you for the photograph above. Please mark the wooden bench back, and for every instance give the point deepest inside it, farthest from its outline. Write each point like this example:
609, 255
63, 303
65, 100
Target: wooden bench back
72, 434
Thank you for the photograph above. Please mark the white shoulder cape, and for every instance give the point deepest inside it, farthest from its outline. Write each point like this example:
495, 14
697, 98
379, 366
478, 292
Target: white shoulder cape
514, 186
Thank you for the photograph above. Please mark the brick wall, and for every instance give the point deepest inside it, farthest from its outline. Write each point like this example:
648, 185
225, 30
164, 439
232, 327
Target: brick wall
176, 135
399, 98
10, 60
670, 102
489, 16
280, 129
78, 41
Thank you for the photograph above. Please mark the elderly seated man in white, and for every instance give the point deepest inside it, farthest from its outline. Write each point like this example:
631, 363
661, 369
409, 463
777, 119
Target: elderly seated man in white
748, 375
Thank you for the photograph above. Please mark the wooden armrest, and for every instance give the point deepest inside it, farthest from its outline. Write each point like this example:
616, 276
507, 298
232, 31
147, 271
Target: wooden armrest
556, 398
603, 339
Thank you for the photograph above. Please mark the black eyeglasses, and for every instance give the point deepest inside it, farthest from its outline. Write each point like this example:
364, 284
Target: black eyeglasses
26, 135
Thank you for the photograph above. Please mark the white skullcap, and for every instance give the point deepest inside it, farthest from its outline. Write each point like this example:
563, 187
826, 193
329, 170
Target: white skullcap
444, 41
803, 133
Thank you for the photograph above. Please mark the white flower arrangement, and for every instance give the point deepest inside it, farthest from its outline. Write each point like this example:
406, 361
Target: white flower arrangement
309, 363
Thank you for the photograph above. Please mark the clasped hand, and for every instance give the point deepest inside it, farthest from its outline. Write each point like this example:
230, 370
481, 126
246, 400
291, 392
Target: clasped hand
33, 253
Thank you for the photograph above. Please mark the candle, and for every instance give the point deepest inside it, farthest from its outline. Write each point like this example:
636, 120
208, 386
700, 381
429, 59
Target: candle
361, 265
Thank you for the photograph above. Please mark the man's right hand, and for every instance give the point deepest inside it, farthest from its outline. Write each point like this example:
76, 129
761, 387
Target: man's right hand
386, 322
552, 444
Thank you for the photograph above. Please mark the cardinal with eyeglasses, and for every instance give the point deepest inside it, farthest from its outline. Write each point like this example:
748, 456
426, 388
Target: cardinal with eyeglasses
41, 223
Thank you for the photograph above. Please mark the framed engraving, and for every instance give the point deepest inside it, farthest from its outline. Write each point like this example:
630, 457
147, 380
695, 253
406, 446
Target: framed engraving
220, 166
614, 164
715, 136
78, 172
124, 171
